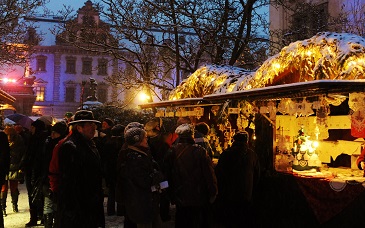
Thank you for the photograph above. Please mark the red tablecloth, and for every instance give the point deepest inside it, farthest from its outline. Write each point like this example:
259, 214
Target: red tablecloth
327, 198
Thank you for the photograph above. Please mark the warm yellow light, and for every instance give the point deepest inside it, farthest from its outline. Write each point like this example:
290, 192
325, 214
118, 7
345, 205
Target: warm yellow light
276, 65
315, 144
143, 97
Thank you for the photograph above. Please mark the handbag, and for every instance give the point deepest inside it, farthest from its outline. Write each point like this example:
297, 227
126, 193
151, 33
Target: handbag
16, 175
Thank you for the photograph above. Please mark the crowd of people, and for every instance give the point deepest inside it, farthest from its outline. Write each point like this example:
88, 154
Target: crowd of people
69, 168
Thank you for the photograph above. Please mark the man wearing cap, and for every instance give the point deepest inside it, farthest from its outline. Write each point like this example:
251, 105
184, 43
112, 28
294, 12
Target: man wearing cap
80, 199
238, 172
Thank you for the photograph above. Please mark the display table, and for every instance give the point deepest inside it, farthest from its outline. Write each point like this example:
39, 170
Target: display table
291, 200
328, 197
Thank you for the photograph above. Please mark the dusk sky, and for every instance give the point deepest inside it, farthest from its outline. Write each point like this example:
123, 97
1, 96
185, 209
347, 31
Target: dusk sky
55, 5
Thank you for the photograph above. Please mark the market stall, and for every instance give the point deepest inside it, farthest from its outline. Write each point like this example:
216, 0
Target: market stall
305, 109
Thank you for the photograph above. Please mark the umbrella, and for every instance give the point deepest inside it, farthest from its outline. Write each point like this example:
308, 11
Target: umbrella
20, 119
48, 120
8, 122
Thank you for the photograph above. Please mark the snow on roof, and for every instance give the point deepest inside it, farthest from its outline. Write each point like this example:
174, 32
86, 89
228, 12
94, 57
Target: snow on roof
326, 55
212, 79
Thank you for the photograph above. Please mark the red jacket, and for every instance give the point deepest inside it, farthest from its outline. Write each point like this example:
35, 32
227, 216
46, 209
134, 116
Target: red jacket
54, 169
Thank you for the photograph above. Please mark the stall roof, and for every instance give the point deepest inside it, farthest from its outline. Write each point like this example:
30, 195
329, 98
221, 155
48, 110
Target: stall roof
293, 90
179, 102
6, 98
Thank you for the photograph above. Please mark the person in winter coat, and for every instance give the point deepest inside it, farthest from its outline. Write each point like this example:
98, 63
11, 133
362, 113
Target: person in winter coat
140, 176
17, 152
116, 141
119, 195
192, 182
159, 148
238, 173
80, 195
4, 165
33, 169
200, 137
58, 132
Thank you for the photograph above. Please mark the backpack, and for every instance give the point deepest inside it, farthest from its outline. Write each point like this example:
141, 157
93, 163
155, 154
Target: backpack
54, 168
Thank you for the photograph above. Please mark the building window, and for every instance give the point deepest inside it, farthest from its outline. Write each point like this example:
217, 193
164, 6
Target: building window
102, 67
41, 63
86, 66
70, 94
71, 65
102, 95
40, 93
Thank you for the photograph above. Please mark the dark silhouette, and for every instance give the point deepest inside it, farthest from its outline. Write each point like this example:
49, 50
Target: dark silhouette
238, 172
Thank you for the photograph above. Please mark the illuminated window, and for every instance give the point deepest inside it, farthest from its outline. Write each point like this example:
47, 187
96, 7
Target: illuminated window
71, 65
70, 94
41, 63
40, 93
86, 66
102, 67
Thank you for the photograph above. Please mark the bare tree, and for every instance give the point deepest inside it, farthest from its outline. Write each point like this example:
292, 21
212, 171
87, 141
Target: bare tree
160, 39
306, 18
16, 34
351, 18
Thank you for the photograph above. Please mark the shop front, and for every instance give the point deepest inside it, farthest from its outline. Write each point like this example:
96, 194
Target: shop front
305, 112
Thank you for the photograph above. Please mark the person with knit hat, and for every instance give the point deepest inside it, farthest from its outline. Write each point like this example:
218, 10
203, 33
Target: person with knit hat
238, 173
80, 192
122, 157
138, 174
58, 131
193, 185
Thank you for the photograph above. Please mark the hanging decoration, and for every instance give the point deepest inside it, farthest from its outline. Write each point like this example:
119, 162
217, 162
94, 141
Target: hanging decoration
160, 113
199, 112
304, 108
357, 105
323, 112
356, 101
271, 105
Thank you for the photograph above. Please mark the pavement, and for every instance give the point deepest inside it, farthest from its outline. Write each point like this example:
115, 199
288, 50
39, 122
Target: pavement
18, 220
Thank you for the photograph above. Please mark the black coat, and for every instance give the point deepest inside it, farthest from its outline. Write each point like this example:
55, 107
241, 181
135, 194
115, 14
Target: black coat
4, 156
137, 174
190, 174
80, 191
237, 172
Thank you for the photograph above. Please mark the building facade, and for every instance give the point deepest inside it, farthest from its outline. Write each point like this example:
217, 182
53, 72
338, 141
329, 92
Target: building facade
63, 71
302, 19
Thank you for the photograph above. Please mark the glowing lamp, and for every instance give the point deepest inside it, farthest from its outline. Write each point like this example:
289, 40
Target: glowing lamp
143, 97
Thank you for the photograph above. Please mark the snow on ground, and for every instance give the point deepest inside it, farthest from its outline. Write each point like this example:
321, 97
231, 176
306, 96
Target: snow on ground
18, 220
